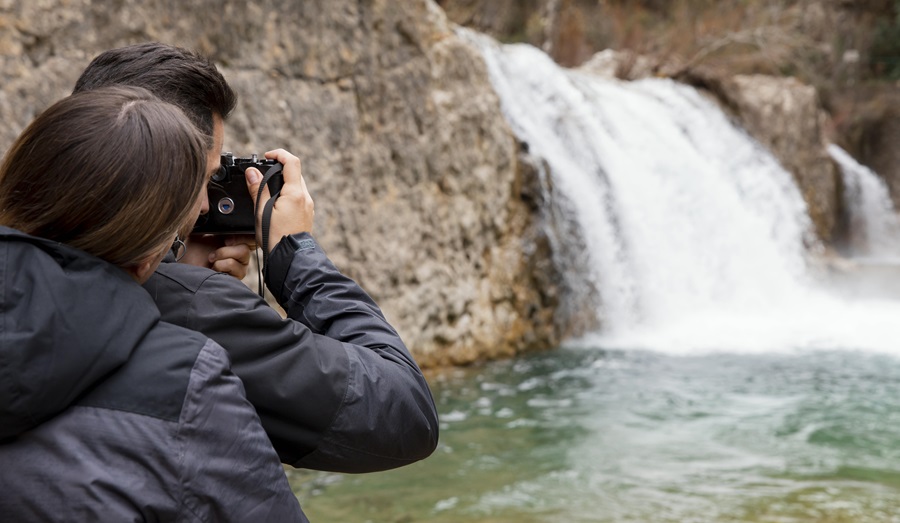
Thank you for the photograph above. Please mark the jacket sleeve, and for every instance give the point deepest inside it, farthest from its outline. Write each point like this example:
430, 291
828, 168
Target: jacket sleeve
228, 470
387, 414
334, 386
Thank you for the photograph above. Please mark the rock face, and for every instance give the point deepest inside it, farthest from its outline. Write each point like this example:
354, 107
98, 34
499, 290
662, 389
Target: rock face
567, 30
420, 194
786, 116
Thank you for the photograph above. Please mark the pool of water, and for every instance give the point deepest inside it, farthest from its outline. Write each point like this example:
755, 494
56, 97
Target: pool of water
597, 435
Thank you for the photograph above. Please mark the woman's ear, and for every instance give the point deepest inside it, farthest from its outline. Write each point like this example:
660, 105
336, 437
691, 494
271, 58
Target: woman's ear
145, 268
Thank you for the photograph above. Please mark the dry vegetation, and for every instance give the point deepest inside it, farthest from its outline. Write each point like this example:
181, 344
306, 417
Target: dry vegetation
850, 51
835, 45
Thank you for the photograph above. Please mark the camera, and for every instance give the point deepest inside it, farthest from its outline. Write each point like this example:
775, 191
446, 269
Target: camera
231, 206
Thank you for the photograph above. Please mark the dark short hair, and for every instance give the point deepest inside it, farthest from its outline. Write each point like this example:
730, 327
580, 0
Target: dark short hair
114, 172
178, 76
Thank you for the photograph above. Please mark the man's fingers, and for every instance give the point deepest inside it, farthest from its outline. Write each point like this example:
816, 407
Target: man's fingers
231, 267
237, 239
240, 253
232, 260
254, 178
294, 212
292, 172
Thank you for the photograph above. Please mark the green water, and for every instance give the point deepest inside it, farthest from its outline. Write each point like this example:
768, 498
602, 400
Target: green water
589, 435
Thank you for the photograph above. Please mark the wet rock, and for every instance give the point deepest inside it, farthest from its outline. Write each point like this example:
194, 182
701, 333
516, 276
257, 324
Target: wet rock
786, 116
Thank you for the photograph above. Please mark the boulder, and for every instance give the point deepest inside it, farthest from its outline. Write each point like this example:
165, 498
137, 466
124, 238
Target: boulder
785, 115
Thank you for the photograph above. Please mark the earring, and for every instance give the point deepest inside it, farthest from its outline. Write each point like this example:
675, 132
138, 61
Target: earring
178, 249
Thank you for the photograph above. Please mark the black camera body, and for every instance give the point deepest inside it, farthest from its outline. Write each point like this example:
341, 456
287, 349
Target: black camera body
231, 207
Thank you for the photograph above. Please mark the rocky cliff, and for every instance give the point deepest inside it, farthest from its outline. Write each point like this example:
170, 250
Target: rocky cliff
420, 194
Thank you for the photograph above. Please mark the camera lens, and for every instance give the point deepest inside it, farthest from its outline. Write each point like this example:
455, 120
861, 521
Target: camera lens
219, 174
226, 206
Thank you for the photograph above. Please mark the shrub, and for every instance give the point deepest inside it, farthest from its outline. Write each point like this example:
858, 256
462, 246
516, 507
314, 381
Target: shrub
884, 56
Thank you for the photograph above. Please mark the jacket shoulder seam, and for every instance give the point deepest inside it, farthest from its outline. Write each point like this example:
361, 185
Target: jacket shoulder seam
190, 286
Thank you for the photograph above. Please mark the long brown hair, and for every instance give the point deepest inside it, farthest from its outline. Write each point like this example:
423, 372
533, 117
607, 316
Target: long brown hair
114, 172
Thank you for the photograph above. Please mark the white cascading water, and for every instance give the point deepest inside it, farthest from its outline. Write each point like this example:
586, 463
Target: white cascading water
697, 238
874, 221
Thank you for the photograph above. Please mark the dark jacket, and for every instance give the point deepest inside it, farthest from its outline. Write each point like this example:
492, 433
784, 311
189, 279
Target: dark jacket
334, 385
109, 414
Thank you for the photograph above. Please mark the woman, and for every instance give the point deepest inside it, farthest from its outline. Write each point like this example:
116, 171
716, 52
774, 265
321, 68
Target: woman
107, 413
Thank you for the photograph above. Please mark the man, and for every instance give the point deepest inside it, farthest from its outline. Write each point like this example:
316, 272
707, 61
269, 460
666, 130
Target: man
334, 385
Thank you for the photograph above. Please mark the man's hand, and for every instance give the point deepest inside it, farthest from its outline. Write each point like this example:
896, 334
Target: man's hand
294, 210
229, 254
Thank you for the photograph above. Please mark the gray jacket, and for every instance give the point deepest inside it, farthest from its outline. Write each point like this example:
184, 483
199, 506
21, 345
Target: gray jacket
109, 414
334, 385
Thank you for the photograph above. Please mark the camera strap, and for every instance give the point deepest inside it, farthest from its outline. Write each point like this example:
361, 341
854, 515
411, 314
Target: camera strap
266, 221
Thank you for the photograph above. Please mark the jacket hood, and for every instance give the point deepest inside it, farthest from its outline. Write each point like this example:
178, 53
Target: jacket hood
67, 319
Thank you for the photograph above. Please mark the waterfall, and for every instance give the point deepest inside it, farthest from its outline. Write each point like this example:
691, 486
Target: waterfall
695, 237
874, 225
